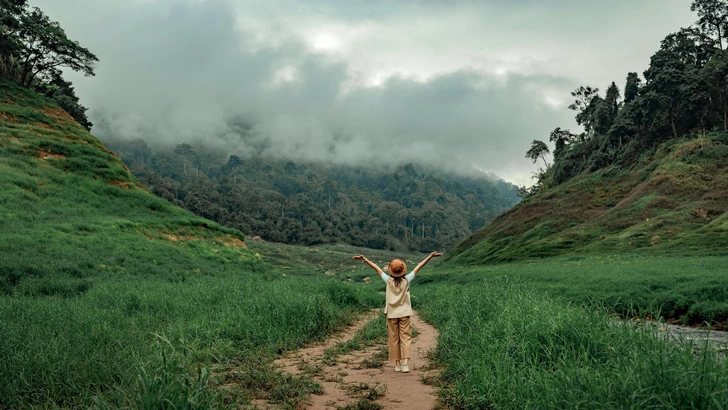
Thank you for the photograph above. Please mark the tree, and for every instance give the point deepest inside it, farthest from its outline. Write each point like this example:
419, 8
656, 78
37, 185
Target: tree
715, 73
712, 19
584, 106
45, 48
632, 88
612, 100
10, 11
672, 67
561, 139
583, 96
603, 111
539, 149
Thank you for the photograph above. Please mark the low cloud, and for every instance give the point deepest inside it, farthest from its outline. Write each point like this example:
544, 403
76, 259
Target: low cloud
323, 82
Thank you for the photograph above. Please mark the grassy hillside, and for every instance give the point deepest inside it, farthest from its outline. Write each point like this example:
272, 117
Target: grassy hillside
69, 207
673, 200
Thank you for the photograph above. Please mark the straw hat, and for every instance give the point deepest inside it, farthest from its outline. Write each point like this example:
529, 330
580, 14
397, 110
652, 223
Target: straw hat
397, 268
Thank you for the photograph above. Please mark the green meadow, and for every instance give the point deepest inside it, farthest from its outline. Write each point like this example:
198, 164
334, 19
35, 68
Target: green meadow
526, 335
685, 289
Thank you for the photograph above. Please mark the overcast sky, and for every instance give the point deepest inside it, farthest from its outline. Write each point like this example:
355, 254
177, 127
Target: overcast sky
464, 84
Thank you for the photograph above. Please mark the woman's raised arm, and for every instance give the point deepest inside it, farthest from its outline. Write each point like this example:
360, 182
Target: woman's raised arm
424, 262
368, 262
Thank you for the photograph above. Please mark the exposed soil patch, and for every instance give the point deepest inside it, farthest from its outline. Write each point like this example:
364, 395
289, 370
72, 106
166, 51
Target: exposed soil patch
226, 240
42, 154
234, 242
123, 185
56, 112
355, 378
177, 238
77, 140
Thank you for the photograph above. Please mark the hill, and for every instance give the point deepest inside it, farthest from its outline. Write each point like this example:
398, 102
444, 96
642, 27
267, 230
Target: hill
402, 208
69, 206
672, 200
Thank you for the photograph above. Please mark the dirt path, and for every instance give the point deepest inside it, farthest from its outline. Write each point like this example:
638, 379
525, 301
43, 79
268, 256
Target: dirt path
352, 379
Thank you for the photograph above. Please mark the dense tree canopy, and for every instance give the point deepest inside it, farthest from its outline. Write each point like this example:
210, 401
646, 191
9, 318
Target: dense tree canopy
284, 201
684, 92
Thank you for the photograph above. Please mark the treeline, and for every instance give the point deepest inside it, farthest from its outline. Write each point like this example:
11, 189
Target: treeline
282, 201
33, 49
683, 92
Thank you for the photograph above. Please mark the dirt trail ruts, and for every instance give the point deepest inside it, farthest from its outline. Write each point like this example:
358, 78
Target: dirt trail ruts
348, 381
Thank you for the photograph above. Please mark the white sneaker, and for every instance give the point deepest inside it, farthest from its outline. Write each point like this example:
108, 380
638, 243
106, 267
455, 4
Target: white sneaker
405, 368
397, 368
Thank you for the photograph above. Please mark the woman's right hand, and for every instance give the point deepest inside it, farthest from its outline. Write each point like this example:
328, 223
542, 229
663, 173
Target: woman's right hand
435, 254
358, 257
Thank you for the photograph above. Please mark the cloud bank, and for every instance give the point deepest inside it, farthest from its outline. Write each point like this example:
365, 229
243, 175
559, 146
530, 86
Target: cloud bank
457, 85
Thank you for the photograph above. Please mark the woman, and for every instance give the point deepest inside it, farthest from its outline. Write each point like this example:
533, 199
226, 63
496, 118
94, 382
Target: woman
398, 308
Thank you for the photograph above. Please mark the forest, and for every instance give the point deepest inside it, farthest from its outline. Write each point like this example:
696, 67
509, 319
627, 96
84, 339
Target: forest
683, 93
408, 207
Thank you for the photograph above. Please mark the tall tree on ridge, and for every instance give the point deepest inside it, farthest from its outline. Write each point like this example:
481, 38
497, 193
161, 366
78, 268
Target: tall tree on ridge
669, 78
584, 106
715, 72
712, 19
561, 139
632, 88
45, 48
538, 149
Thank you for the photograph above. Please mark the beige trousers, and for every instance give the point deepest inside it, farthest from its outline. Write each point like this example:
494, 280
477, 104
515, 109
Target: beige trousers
400, 338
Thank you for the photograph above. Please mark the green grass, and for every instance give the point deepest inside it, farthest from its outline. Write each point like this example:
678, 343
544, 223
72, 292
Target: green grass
506, 346
329, 259
65, 351
692, 290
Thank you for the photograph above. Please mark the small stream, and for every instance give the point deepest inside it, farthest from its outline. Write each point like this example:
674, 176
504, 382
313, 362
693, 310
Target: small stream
718, 339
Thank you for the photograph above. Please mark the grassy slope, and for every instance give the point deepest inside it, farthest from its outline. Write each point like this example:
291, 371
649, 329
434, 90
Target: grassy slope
69, 206
673, 201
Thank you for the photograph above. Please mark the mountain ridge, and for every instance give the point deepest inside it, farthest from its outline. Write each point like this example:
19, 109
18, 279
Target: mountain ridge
405, 207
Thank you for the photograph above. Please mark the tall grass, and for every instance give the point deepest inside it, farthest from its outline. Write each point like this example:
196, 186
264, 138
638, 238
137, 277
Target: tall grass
65, 351
692, 290
508, 347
